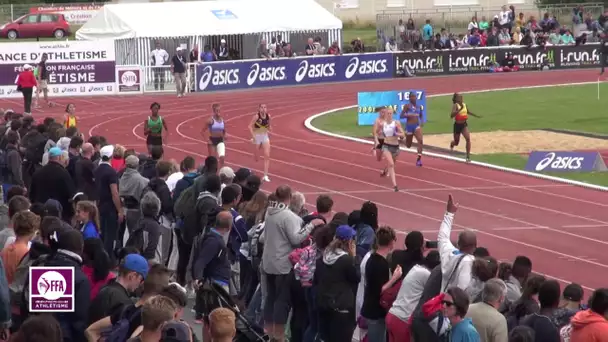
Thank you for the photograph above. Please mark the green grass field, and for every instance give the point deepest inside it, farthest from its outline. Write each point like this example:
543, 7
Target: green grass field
573, 108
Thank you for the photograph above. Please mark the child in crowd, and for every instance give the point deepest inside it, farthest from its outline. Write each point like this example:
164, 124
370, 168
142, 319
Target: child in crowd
88, 216
25, 224
222, 325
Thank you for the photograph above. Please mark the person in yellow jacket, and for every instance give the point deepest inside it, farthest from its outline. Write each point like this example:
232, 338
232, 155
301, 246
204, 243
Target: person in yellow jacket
70, 118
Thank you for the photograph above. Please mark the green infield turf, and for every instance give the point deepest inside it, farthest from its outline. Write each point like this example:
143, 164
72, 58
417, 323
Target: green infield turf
574, 108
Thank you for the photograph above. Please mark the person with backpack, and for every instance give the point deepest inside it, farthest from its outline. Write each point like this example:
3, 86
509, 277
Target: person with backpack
127, 320
211, 265
131, 188
40, 249
336, 276
117, 292
11, 163
147, 236
68, 254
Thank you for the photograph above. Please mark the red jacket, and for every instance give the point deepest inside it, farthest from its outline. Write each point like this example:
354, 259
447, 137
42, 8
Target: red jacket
27, 79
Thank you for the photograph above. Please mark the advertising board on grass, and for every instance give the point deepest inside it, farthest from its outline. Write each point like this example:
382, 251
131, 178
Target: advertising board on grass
74, 67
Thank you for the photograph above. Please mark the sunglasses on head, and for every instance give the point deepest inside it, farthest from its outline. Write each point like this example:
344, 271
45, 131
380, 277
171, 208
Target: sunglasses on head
447, 303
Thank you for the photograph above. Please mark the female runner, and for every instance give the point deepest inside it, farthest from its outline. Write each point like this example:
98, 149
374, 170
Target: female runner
393, 133
217, 134
379, 137
69, 120
412, 113
460, 114
153, 128
259, 128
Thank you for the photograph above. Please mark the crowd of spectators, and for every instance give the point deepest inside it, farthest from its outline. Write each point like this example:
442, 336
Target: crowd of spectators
172, 231
506, 28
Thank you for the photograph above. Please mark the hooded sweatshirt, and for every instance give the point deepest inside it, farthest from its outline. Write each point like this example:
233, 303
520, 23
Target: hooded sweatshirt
132, 185
588, 326
283, 233
336, 278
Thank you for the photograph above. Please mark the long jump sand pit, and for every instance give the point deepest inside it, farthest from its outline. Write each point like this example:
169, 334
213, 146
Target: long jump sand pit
519, 142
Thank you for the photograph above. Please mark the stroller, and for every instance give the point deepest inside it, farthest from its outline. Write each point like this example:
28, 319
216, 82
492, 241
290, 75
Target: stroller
245, 330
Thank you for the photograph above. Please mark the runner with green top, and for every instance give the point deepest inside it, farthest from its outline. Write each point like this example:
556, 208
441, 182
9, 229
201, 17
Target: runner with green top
153, 127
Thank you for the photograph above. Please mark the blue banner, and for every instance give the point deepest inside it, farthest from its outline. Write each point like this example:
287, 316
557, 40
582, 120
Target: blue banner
282, 72
561, 161
369, 102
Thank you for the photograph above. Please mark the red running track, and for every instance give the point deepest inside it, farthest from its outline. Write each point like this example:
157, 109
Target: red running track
562, 228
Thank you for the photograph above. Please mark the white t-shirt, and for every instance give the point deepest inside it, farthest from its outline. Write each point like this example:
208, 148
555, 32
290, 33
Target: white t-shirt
410, 292
503, 17
172, 180
160, 57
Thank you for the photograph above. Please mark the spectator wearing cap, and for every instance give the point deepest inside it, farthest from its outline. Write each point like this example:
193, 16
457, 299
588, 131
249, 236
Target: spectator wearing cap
336, 276
178, 69
130, 189
221, 52
543, 326
117, 293
110, 207
54, 181
488, 321
70, 247
156, 279
26, 81
83, 172
569, 305
592, 324
226, 176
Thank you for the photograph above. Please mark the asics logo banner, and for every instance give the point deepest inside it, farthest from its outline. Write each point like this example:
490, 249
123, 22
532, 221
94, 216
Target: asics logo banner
314, 70
265, 74
228, 75
565, 161
217, 77
375, 66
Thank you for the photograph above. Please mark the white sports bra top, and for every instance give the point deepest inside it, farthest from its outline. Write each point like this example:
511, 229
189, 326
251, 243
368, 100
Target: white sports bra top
389, 129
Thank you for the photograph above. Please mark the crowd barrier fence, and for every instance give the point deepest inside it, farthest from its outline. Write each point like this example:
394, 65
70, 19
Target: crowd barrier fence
83, 69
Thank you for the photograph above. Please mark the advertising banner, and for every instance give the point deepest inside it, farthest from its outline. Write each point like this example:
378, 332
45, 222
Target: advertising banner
129, 79
74, 14
282, 72
466, 61
560, 161
74, 67
369, 102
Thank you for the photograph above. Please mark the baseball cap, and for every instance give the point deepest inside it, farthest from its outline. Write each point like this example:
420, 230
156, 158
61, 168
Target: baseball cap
179, 48
107, 151
345, 232
132, 162
136, 263
241, 175
227, 172
55, 152
223, 41
176, 331
573, 292
27, 66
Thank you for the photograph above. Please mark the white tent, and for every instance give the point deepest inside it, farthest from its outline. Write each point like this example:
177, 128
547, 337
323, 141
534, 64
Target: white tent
206, 18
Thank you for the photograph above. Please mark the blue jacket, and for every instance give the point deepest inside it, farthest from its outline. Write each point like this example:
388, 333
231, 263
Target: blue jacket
464, 332
89, 230
364, 239
238, 234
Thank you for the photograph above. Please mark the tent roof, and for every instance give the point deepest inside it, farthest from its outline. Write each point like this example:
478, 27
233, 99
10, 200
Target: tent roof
193, 18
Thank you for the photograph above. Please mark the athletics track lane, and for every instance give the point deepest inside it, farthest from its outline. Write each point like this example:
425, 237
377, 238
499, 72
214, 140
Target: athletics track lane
562, 228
